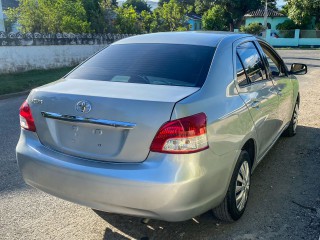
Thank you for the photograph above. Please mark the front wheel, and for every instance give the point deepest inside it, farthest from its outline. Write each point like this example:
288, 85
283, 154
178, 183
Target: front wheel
234, 203
292, 128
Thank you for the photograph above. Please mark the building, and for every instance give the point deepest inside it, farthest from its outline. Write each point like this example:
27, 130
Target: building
2, 28
194, 20
4, 5
273, 19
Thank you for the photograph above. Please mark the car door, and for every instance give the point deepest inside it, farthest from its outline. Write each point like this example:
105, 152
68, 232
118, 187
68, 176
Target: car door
259, 94
277, 72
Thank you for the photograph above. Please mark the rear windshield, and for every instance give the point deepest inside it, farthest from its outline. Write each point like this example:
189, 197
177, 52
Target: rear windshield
160, 64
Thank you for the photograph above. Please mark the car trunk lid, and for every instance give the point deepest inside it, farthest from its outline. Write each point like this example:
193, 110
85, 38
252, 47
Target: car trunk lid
120, 126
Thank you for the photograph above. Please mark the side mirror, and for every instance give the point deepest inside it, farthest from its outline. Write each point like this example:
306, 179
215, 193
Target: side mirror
298, 69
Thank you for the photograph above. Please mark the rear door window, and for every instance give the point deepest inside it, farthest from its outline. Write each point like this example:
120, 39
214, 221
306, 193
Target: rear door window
160, 64
241, 75
252, 62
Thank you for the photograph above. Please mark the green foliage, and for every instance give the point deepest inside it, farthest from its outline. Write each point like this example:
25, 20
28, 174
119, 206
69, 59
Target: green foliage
201, 6
301, 11
146, 19
50, 16
169, 17
12, 17
287, 25
214, 19
253, 28
138, 5
127, 20
95, 15
161, 2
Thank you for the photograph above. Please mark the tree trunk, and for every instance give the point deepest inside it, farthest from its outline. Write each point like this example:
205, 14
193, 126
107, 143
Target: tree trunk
231, 26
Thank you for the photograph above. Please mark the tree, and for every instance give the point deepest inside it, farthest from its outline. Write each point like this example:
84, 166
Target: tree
138, 5
301, 11
271, 4
253, 28
146, 21
50, 16
127, 20
201, 6
236, 9
161, 2
287, 25
214, 19
171, 16
95, 15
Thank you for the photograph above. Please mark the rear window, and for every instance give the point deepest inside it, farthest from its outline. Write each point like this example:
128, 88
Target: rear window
159, 64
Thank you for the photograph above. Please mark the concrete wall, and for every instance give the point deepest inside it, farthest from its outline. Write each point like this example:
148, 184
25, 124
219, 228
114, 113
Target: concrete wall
296, 41
23, 58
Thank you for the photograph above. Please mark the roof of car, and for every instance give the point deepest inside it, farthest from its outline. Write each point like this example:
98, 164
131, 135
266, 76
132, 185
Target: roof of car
190, 38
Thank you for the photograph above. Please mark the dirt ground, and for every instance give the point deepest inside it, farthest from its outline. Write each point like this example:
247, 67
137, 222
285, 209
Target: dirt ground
284, 200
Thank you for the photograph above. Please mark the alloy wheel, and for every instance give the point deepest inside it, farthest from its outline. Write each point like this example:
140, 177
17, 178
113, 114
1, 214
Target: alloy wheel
242, 186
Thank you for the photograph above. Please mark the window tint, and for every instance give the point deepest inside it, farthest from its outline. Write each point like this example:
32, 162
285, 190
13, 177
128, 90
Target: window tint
162, 64
274, 62
252, 62
241, 75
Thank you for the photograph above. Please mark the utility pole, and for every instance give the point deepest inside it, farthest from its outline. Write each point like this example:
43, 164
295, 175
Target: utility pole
265, 23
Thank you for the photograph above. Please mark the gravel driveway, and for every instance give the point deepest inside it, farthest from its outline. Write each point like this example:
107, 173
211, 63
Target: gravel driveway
284, 201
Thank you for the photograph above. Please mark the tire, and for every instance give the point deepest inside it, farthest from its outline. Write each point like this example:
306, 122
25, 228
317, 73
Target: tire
229, 210
292, 128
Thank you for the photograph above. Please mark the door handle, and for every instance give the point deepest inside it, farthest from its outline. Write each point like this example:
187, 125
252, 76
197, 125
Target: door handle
255, 103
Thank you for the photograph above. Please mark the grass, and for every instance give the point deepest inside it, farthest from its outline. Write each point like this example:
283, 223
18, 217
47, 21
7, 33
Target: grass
12, 83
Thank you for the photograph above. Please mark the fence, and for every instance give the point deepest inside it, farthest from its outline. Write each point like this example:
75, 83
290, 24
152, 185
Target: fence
23, 52
40, 39
293, 38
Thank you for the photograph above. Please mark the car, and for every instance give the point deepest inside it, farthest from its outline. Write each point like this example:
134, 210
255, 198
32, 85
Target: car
160, 126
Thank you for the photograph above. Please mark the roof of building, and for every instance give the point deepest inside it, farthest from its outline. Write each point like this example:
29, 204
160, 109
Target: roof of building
260, 13
211, 39
9, 4
194, 16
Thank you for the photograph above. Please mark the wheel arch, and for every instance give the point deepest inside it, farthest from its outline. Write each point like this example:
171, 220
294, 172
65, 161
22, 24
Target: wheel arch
250, 147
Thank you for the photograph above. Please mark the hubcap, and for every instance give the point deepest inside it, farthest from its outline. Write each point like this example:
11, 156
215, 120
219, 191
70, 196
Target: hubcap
242, 185
295, 117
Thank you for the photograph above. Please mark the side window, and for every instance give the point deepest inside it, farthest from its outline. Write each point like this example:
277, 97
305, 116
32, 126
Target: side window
241, 75
252, 62
275, 65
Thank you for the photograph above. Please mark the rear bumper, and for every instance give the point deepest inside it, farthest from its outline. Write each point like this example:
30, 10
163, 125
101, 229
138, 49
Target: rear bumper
166, 187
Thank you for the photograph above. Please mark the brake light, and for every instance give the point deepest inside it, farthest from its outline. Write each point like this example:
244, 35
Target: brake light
184, 135
26, 119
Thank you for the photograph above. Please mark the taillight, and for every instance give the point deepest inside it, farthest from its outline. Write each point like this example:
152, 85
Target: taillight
184, 135
26, 119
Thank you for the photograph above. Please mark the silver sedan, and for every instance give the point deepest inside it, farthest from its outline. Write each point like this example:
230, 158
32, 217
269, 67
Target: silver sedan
163, 126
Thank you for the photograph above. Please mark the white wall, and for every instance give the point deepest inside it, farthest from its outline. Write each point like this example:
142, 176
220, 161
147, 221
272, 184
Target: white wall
24, 58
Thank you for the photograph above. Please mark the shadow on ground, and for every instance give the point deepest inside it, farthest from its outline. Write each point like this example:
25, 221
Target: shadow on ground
285, 188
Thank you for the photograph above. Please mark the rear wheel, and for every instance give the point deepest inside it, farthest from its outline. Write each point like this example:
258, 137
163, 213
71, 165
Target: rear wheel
292, 128
234, 203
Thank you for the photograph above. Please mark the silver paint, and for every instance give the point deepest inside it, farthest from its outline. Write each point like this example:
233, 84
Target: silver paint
116, 172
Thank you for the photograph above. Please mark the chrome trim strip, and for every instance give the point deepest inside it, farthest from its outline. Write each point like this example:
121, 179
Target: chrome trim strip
69, 118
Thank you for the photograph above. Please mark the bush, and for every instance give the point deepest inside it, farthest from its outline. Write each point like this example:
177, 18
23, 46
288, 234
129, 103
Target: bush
287, 25
253, 28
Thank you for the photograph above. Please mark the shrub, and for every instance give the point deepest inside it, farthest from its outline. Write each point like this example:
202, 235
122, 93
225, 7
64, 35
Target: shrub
253, 28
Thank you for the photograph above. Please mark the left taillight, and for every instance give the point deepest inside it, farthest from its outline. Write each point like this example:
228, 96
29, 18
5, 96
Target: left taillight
184, 135
26, 118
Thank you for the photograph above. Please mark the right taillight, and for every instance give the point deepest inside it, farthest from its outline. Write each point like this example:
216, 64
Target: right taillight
184, 135
26, 119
